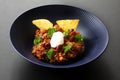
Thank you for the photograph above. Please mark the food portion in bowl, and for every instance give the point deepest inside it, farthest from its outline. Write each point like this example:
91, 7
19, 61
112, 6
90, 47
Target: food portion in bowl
57, 43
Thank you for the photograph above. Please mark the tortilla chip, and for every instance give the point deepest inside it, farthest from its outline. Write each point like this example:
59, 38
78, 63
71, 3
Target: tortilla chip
68, 24
42, 23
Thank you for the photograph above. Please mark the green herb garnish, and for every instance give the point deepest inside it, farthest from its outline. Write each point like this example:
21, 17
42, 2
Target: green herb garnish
79, 38
66, 34
37, 40
67, 48
51, 31
50, 53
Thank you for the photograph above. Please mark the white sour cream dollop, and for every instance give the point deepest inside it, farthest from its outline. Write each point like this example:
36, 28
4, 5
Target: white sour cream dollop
57, 39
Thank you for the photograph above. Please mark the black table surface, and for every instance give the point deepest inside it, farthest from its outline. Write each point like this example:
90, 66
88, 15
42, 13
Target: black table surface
106, 67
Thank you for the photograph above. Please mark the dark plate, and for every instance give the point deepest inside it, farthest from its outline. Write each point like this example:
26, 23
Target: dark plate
95, 32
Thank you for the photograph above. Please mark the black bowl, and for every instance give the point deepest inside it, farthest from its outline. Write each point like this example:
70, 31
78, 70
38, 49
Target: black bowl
22, 33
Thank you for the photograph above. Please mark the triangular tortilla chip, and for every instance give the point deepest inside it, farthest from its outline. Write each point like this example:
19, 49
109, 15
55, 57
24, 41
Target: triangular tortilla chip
68, 24
42, 23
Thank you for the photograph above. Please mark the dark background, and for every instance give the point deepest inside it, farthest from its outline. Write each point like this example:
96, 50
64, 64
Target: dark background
106, 67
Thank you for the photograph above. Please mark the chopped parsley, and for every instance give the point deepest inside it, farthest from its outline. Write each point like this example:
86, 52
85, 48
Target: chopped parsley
79, 38
66, 34
67, 48
51, 31
50, 53
37, 40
